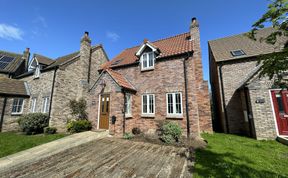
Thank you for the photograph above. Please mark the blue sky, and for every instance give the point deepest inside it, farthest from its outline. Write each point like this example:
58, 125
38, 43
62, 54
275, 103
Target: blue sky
53, 28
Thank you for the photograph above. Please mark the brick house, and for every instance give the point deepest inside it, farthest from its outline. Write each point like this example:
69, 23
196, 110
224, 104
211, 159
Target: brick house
151, 83
243, 103
46, 85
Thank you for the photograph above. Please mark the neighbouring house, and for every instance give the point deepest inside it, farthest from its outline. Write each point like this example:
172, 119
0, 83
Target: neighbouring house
244, 103
151, 83
46, 85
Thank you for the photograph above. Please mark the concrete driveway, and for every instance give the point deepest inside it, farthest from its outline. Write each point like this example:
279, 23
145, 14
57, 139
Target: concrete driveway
109, 157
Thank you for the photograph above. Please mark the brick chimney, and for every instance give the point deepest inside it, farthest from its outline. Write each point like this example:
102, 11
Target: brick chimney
26, 57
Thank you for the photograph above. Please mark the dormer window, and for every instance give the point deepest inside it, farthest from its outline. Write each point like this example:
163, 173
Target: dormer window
147, 61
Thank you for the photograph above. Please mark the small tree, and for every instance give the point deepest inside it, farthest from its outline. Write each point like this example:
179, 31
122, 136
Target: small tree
78, 108
274, 65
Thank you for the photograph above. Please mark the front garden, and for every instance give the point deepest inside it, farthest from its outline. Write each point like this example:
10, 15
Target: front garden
11, 142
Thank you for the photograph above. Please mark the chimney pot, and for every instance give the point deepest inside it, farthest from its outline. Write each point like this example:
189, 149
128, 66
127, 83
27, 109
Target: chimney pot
27, 49
145, 40
194, 22
86, 33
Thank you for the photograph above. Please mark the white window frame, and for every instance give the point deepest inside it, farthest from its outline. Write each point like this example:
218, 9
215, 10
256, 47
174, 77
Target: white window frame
45, 107
128, 105
21, 111
33, 104
148, 114
174, 114
148, 61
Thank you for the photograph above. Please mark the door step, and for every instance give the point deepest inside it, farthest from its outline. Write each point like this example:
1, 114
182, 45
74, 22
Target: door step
283, 139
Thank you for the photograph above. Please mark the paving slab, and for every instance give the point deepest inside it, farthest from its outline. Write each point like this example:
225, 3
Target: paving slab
109, 157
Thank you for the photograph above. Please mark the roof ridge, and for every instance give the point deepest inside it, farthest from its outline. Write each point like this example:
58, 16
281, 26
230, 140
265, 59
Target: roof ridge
161, 39
11, 53
42, 56
240, 34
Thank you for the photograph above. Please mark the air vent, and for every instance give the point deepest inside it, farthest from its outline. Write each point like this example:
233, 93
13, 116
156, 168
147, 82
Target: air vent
237, 53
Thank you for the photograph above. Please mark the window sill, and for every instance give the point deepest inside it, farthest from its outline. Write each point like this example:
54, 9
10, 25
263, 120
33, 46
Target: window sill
174, 117
148, 115
128, 115
147, 69
16, 114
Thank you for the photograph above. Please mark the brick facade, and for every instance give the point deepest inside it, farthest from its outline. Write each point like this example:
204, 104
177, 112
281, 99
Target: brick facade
167, 76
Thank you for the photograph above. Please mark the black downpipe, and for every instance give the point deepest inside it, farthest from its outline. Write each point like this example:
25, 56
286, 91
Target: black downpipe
3, 112
248, 112
223, 99
52, 93
124, 117
186, 95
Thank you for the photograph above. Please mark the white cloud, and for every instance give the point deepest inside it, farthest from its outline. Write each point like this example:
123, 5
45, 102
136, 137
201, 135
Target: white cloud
9, 32
40, 20
113, 36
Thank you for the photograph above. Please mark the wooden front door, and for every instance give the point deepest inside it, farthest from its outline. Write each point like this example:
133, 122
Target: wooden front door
104, 111
280, 102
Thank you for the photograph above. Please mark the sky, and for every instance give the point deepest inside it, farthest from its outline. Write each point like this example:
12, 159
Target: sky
53, 28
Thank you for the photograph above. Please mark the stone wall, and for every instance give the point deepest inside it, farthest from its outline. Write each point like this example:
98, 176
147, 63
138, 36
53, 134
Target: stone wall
70, 84
10, 120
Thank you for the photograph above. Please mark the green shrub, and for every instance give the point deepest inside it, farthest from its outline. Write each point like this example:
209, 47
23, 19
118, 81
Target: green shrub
128, 136
33, 123
50, 130
136, 131
79, 126
170, 132
78, 108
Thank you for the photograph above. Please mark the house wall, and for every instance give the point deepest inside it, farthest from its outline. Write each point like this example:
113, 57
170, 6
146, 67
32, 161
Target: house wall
261, 117
71, 84
10, 121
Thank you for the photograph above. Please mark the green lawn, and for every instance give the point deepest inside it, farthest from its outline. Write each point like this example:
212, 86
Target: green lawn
14, 142
236, 156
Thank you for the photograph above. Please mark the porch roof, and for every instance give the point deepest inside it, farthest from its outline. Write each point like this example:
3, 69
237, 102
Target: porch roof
120, 79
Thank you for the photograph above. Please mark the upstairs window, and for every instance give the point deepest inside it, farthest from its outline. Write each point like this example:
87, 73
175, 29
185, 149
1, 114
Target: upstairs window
17, 107
174, 104
147, 61
236, 53
45, 107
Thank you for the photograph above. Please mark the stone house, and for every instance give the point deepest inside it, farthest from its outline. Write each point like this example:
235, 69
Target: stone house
151, 83
46, 85
244, 103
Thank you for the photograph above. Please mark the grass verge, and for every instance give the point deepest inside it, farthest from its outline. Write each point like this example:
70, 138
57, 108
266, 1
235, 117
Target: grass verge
11, 142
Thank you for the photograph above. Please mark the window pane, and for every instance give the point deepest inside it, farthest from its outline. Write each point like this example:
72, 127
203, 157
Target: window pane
178, 103
102, 104
144, 60
144, 103
170, 104
128, 104
151, 58
151, 104
280, 103
107, 104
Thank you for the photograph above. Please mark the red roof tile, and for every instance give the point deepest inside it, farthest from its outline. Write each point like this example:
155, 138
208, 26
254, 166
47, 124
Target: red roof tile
175, 45
120, 79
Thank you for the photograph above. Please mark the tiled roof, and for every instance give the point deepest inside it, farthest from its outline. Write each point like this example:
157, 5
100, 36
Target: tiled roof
221, 48
171, 46
12, 67
63, 59
12, 87
120, 80
43, 59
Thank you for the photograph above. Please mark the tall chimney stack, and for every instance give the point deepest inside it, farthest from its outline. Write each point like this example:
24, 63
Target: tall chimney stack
26, 57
